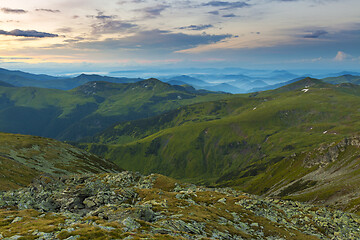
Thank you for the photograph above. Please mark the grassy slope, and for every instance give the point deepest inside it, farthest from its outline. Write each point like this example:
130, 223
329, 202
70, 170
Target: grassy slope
22, 158
238, 139
70, 115
343, 79
327, 175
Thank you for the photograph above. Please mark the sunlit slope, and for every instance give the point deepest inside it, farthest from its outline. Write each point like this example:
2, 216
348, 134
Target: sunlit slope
23, 157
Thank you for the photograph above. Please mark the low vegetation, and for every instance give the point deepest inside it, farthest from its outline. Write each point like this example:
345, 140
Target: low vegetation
243, 142
23, 158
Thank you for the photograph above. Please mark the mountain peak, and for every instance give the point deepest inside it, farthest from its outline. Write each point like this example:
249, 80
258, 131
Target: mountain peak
93, 87
88, 76
303, 83
151, 82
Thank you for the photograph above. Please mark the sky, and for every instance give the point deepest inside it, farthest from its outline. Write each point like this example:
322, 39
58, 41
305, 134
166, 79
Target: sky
98, 35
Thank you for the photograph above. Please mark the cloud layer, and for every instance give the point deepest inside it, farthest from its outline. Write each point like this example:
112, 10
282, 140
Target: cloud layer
12, 10
156, 40
27, 33
104, 31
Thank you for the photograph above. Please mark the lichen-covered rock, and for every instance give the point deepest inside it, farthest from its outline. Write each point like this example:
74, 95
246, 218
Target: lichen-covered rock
130, 206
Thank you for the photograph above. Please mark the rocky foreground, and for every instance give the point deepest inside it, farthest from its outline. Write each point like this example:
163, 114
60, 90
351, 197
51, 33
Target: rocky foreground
130, 206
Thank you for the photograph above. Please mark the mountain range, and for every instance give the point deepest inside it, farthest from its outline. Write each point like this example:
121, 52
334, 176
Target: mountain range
294, 144
89, 108
247, 140
299, 141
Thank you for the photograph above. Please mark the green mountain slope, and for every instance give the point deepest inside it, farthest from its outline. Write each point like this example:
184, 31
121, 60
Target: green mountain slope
327, 175
233, 142
83, 111
24, 79
343, 79
70, 83
5, 84
23, 158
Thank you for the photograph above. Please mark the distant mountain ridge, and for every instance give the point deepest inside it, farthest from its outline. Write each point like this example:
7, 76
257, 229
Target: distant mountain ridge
91, 107
231, 83
23, 79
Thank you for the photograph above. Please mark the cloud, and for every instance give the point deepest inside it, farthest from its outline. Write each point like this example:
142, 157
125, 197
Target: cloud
131, 1
197, 27
47, 10
156, 40
226, 5
27, 33
12, 10
74, 40
316, 34
108, 24
100, 15
113, 26
65, 30
155, 11
15, 58
341, 56
214, 12
231, 15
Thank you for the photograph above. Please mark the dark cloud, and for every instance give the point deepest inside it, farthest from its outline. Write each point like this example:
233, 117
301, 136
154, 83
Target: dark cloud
47, 10
197, 27
11, 10
231, 15
214, 12
101, 16
156, 40
27, 33
226, 5
155, 11
113, 27
316, 34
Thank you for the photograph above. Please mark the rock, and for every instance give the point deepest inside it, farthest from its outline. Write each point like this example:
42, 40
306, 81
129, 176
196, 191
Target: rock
17, 219
144, 213
254, 225
161, 230
179, 225
130, 224
89, 203
73, 237
124, 199
15, 237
